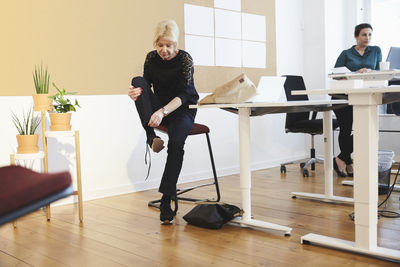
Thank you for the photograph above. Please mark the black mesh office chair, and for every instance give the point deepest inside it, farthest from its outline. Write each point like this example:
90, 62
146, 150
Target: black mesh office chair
300, 122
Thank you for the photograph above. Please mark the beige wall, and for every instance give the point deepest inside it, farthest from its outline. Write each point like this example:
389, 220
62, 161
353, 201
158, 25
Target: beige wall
96, 46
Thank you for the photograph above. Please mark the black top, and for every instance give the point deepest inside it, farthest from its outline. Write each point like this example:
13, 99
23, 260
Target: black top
172, 78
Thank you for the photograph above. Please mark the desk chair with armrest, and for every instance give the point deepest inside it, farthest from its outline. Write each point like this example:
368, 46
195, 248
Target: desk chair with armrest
300, 122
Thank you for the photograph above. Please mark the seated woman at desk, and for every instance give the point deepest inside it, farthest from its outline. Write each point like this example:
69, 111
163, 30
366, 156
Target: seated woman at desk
359, 58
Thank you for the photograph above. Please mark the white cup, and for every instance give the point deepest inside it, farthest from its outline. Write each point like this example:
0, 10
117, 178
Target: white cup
384, 65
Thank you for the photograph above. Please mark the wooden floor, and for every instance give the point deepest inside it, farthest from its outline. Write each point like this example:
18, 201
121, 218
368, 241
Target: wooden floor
123, 231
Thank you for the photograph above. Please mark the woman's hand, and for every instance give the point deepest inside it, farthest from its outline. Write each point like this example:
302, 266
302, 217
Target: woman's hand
134, 93
363, 70
156, 118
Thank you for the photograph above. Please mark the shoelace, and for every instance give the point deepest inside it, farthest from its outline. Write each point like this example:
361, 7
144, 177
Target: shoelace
147, 155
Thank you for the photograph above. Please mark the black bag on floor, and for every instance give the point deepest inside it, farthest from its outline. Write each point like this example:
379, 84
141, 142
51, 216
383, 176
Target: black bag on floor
212, 215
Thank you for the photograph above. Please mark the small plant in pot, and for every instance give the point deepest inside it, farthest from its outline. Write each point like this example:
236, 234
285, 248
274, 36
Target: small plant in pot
41, 99
27, 138
60, 118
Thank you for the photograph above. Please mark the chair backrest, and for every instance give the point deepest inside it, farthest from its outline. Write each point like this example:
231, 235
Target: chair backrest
294, 83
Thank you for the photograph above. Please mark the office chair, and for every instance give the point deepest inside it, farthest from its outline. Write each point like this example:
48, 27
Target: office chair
394, 59
23, 191
196, 129
300, 122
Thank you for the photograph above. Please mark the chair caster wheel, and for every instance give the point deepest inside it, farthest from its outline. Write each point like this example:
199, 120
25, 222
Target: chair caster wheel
305, 173
283, 169
302, 165
294, 197
287, 234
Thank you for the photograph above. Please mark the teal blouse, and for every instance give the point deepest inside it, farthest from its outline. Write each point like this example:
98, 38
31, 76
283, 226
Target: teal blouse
351, 59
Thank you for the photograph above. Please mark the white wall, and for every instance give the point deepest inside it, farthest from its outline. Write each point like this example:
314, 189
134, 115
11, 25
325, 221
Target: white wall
113, 145
290, 52
314, 44
289, 37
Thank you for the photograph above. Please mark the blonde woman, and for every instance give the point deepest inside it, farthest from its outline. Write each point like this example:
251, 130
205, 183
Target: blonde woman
169, 71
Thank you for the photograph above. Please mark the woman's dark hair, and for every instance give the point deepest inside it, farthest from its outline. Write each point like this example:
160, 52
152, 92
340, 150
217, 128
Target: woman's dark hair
361, 26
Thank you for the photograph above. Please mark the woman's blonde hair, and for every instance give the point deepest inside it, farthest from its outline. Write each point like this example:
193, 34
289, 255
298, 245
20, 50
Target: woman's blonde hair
167, 29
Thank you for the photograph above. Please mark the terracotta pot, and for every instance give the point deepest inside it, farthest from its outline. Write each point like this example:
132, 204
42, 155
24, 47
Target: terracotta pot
27, 144
60, 121
42, 102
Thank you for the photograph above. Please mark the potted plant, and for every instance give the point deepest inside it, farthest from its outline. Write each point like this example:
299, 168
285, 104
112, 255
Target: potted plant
41, 80
27, 139
60, 118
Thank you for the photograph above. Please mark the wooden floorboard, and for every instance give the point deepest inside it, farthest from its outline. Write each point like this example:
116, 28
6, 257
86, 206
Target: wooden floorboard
123, 231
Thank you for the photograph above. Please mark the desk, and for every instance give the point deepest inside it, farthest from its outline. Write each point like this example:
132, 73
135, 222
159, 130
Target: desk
365, 103
245, 111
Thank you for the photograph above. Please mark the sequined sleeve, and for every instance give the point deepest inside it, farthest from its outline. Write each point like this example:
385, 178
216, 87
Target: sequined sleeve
147, 75
187, 92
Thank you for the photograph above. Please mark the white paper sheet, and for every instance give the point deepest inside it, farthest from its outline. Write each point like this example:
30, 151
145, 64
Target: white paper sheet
228, 4
199, 20
254, 54
201, 48
227, 24
253, 27
228, 52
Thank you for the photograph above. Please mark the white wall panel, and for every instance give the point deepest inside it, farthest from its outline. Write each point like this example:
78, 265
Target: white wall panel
201, 49
227, 24
253, 27
228, 52
194, 15
228, 4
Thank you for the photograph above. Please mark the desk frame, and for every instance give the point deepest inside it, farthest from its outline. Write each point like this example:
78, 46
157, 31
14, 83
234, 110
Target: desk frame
365, 103
244, 110
328, 195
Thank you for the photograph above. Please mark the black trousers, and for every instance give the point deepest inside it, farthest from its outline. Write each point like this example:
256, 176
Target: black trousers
179, 124
344, 118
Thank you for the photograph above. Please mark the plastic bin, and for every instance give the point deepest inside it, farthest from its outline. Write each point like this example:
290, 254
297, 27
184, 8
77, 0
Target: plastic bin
385, 161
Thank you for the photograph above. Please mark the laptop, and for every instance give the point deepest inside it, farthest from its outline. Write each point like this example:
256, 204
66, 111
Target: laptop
394, 57
270, 89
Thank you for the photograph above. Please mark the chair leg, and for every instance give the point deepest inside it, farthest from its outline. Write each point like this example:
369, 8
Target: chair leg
155, 203
312, 153
213, 168
182, 191
313, 157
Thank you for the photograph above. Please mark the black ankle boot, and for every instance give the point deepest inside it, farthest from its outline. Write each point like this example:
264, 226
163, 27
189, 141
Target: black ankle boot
166, 213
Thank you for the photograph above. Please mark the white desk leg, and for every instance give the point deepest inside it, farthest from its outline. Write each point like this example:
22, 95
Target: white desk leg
328, 165
245, 178
365, 138
328, 161
365, 125
244, 151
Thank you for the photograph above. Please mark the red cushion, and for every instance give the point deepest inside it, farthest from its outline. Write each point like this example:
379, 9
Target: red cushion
20, 186
197, 129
